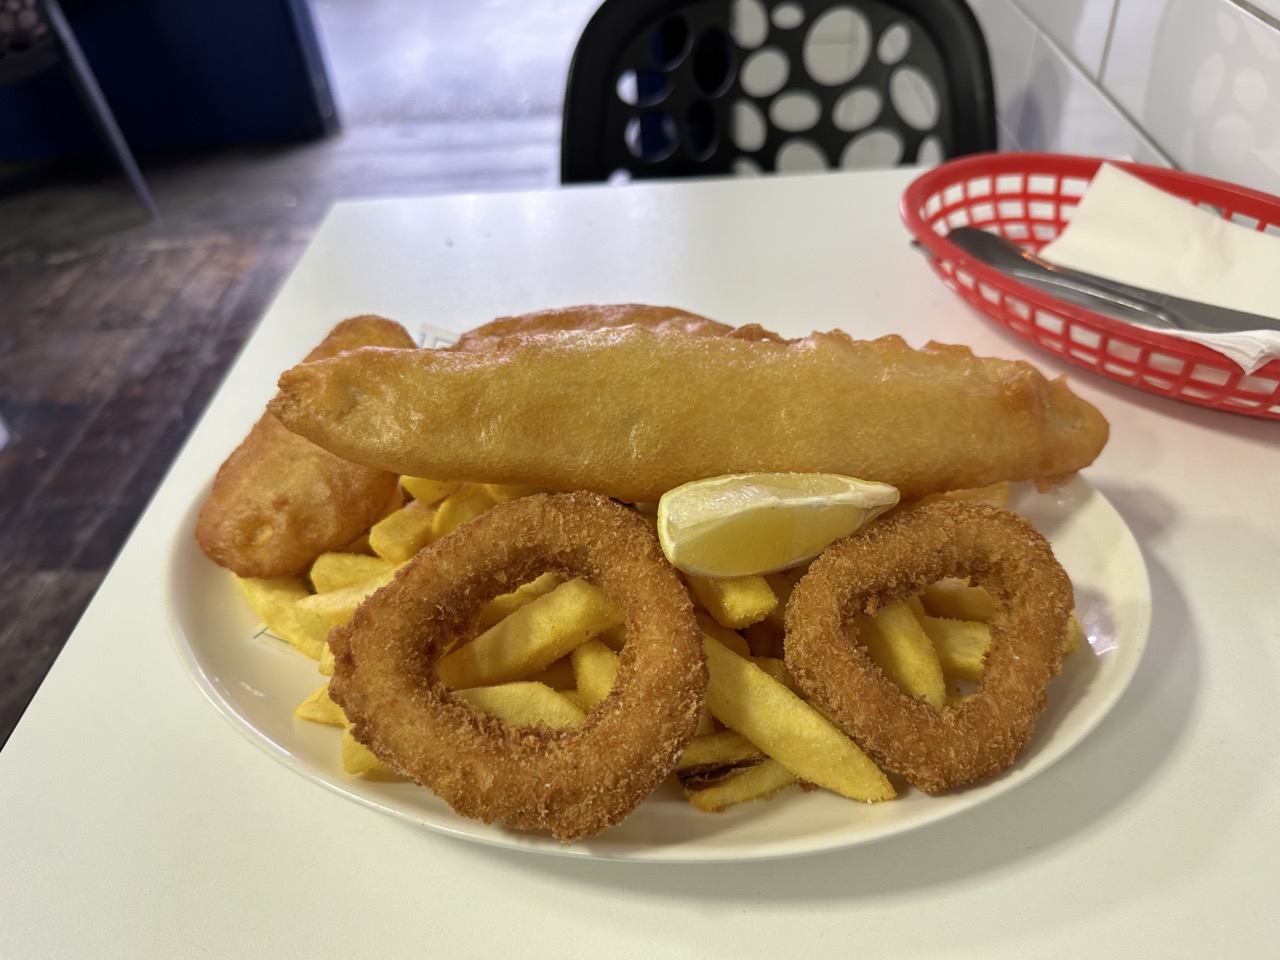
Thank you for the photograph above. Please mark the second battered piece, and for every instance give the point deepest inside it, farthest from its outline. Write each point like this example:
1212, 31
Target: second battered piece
279, 500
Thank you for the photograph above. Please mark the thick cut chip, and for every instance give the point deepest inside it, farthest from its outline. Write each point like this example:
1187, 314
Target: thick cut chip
525, 703
428, 491
724, 748
533, 637
961, 645
766, 636
326, 664
558, 676
320, 708
333, 571
400, 535
741, 786
359, 761
321, 612
276, 602
898, 645
955, 599
595, 670
499, 608
718, 631
746, 699
1075, 635
776, 667
464, 504
735, 602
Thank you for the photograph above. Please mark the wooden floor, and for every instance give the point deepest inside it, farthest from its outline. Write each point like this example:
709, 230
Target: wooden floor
115, 331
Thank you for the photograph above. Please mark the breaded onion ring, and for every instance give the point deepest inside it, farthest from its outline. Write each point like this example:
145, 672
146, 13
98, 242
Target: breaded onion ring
889, 561
574, 782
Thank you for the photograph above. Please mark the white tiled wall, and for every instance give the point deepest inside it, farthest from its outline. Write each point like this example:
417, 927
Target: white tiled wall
1188, 83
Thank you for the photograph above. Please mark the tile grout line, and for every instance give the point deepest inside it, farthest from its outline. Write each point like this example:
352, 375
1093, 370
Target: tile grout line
1013, 130
1106, 46
1102, 91
1262, 15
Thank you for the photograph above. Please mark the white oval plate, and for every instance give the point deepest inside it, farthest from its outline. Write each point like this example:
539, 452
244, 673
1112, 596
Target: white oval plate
256, 681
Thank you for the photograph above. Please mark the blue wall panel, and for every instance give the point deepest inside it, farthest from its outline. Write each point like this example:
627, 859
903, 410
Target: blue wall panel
179, 75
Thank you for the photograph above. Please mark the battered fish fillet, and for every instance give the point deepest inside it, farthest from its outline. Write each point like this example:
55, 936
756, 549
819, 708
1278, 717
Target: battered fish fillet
630, 413
496, 333
503, 332
279, 501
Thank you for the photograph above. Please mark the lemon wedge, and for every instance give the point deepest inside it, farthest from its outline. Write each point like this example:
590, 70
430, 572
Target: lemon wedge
753, 523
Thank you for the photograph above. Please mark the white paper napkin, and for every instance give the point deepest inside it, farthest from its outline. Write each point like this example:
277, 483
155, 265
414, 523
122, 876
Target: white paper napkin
1125, 229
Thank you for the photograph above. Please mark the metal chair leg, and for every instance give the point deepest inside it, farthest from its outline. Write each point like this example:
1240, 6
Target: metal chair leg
87, 86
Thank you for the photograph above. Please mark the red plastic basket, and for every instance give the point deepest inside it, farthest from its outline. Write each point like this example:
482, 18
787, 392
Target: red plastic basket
1030, 197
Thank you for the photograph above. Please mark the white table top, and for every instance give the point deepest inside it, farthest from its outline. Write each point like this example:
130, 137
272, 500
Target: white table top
134, 822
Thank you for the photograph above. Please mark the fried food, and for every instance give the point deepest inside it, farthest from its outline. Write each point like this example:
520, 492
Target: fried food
631, 413
899, 556
485, 668
755, 782
897, 644
276, 602
501, 332
279, 501
532, 638
749, 701
574, 782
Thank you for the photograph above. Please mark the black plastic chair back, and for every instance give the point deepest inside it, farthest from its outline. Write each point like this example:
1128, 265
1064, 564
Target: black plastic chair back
669, 88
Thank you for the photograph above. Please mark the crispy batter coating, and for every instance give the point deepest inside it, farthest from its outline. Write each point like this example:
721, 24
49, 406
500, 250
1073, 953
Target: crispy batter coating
279, 501
631, 413
982, 735
500, 332
574, 782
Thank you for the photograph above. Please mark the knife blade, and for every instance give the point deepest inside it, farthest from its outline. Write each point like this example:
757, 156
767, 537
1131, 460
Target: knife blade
1120, 300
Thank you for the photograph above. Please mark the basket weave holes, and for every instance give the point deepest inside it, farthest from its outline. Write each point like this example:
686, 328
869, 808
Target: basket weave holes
1009, 183
1212, 375
979, 187
1042, 183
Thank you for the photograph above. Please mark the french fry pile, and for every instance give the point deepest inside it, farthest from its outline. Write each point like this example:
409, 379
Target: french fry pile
548, 652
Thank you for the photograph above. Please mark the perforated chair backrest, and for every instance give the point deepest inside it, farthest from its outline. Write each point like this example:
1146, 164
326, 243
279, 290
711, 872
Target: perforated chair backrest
669, 88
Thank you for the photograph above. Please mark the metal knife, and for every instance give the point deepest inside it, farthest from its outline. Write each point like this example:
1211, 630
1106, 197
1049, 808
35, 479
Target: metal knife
1119, 300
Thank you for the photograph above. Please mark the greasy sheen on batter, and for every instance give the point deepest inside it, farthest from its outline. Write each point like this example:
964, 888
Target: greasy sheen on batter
279, 501
631, 413
890, 560
498, 333
573, 782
